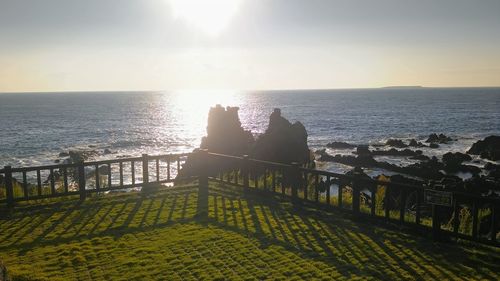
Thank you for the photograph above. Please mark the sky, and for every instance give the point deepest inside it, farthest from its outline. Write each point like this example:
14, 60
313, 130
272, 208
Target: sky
106, 45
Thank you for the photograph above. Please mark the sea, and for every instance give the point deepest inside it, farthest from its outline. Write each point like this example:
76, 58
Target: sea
36, 127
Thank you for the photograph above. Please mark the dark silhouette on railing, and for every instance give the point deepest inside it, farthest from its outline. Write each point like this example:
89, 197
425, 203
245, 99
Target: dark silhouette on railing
449, 214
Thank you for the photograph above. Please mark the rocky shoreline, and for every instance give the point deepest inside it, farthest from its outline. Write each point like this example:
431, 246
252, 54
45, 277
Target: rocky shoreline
483, 179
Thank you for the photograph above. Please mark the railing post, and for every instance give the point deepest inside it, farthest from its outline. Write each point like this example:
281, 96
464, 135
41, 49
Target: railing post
202, 164
417, 211
475, 218
355, 197
494, 210
402, 205
145, 169
295, 177
244, 171
436, 223
202, 157
81, 181
9, 188
355, 190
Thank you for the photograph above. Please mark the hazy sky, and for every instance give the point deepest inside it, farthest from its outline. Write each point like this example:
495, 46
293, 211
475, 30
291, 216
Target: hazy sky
57, 45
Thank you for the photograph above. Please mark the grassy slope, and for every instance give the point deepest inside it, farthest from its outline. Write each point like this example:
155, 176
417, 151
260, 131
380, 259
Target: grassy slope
247, 237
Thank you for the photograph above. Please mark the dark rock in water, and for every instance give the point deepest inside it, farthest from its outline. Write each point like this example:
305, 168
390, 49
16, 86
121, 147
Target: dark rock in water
324, 156
490, 166
107, 151
282, 142
420, 157
225, 134
363, 150
434, 145
429, 169
493, 170
340, 145
320, 151
57, 161
77, 156
488, 148
396, 143
395, 152
474, 170
441, 138
452, 160
363, 160
63, 154
414, 143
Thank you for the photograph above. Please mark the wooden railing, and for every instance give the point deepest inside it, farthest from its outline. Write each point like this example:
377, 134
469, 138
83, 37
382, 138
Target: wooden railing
401, 203
469, 216
80, 179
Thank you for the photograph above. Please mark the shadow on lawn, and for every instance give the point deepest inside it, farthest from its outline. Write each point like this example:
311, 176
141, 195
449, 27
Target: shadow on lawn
329, 237
350, 245
57, 223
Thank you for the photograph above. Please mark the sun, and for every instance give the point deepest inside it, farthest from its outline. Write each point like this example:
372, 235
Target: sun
209, 16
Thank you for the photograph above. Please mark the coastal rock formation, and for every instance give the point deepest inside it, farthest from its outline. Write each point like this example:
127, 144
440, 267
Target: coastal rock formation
414, 143
76, 156
420, 156
453, 163
282, 142
363, 150
493, 170
488, 148
434, 145
396, 143
428, 169
225, 134
453, 160
441, 138
395, 152
340, 145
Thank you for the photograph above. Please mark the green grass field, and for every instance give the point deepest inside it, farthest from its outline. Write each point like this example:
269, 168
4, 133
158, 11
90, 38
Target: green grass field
247, 236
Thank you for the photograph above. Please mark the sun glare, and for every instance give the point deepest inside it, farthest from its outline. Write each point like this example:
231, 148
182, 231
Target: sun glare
211, 17
193, 107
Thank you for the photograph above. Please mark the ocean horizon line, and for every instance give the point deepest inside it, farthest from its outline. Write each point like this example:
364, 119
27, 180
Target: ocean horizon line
396, 87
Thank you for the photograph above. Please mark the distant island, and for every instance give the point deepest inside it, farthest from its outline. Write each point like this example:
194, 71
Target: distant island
403, 87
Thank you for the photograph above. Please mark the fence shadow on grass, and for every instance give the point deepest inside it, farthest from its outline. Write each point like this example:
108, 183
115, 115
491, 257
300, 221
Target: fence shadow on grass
331, 237
349, 245
51, 224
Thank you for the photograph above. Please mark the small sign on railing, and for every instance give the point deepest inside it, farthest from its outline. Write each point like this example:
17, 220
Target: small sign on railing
438, 197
